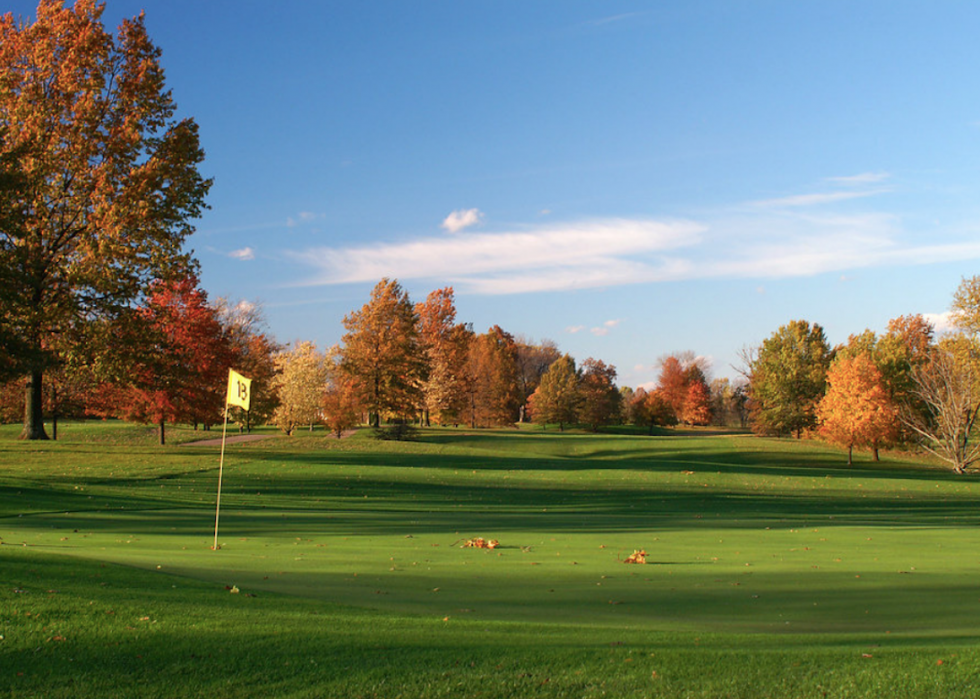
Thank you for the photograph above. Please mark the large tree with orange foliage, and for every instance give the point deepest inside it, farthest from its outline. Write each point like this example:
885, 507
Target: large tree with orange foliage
109, 179
382, 353
672, 384
445, 347
494, 398
857, 410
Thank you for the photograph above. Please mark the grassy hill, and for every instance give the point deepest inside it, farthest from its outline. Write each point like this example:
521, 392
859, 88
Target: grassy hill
772, 569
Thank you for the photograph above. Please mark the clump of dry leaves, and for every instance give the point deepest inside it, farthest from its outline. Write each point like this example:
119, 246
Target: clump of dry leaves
637, 557
481, 543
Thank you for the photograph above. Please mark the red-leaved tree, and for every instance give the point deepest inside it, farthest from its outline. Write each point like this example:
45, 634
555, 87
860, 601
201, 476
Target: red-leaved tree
182, 370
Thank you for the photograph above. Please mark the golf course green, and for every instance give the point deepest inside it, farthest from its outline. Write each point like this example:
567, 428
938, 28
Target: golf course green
772, 569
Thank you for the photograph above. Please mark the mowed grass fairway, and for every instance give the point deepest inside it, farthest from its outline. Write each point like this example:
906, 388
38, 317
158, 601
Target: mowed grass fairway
773, 570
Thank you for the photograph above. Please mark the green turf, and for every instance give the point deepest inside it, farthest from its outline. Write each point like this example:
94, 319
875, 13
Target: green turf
773, 570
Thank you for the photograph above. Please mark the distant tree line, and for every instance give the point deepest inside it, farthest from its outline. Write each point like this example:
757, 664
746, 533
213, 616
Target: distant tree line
101, 311
906, 387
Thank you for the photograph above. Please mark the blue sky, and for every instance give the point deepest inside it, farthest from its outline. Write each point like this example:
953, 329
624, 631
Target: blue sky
627, 179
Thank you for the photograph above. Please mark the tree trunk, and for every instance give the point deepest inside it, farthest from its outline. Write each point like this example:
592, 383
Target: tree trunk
874, 450
33, 408
850, 451
163, 432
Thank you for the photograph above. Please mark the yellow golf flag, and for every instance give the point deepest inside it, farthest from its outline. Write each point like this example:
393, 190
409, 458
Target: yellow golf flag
239, 390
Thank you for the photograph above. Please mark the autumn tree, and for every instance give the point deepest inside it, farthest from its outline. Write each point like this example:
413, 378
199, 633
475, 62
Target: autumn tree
857, 410
678, 373
339, 409
598, 393
254, 352
492, 379
908, 343
557, 398
300, 382
697, 405
966, 305
15, 350
181, 371
532, 361
652, 409
381, 353
787, 378
109, 179
672, 383
445, 347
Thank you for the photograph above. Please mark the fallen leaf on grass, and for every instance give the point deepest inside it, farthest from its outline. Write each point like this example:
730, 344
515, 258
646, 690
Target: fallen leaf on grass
639, 556
481, 543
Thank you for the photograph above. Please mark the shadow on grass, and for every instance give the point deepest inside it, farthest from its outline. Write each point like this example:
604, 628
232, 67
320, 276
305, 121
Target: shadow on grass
454, 481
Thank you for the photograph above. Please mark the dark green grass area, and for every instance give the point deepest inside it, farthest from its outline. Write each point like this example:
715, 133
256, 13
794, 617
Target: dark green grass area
773, 570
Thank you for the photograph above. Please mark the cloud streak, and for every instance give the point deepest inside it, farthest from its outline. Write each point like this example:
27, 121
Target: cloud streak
760, 244
585, 254
800, 200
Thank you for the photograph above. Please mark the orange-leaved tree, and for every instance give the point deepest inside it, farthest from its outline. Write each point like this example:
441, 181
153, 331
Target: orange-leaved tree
445, 348
339, 407
492, 385
109, 179
382, 353
857, 410
652, 409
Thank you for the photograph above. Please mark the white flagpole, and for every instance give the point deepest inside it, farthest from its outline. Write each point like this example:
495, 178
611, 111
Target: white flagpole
221, 469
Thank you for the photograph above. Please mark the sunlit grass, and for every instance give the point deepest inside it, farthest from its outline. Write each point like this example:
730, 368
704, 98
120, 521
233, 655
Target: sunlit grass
772, 570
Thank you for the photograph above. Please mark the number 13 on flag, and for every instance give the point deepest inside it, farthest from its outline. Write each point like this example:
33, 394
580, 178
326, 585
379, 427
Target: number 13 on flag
239, 390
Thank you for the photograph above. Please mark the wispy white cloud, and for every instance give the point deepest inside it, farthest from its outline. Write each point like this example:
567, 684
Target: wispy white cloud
865, 178
572, 329
243, 254
799, 200
739, 244
462, 218
585, 254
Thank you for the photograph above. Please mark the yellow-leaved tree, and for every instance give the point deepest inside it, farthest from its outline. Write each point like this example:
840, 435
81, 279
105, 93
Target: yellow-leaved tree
300, 382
